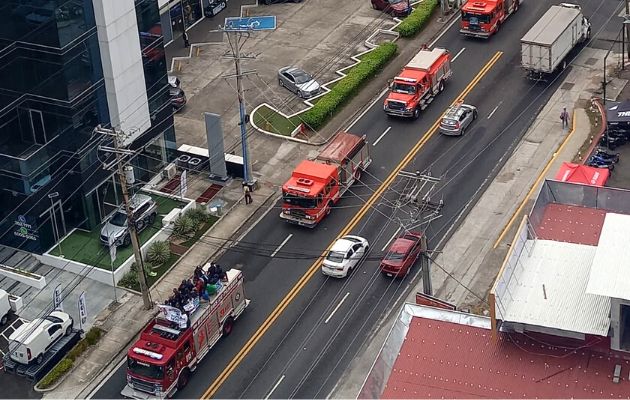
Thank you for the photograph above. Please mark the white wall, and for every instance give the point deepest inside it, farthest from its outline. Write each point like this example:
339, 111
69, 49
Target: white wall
122, 66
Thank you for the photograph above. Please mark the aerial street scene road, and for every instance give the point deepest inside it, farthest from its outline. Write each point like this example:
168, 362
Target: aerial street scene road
272, 199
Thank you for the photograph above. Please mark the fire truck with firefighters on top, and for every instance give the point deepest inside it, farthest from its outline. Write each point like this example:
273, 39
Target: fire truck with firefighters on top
416, 86
483, 18
172, 345
316, 185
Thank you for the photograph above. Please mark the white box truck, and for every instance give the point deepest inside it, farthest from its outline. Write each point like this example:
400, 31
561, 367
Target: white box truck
546, 45
5, 308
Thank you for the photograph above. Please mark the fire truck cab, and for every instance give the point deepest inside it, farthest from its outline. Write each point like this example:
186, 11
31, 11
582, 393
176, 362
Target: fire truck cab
483, 18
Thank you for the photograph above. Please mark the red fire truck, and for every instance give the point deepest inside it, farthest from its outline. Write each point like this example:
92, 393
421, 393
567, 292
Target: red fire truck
316, 185
418, 83
170, 347
483, 18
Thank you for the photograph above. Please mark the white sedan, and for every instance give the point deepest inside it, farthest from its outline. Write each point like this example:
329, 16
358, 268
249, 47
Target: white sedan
345, 255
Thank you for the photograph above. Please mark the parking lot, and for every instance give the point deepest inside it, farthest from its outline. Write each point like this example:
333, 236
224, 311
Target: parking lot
317, 36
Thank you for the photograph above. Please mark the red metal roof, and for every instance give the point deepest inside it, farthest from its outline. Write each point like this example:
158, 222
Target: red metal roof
572, 224
339, 147
449, 360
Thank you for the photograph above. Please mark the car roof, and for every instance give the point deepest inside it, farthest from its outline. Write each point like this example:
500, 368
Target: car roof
401, 245
139, 199
456, 111
294, 70
342, 245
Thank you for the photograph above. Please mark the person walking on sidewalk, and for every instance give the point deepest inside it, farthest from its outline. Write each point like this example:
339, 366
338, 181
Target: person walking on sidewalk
564, 117
248, 196
185, 37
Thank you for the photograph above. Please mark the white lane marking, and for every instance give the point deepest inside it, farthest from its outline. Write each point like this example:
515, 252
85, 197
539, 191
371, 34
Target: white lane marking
281, 244
390, 239
337, 308
494, 110
458, 54
382, 135
275, 387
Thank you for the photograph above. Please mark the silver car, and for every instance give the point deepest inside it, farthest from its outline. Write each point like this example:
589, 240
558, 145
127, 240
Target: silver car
298, 81
116, 230
457, 119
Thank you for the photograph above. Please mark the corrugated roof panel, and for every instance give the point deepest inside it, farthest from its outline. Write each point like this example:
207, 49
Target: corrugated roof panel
551, 25
549, 290
611, 263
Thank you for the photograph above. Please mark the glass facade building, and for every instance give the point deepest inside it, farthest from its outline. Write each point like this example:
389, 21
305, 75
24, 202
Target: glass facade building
178, 16
53, 93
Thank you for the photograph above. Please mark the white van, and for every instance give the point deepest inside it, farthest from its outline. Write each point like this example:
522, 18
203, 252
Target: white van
5, 307
31, 341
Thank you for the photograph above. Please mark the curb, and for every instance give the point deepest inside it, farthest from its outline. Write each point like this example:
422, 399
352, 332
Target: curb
597, 103
110, 365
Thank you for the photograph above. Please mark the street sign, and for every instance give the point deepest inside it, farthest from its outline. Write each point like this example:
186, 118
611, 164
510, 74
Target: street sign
57, 302
266, 23
183, 183
82, 310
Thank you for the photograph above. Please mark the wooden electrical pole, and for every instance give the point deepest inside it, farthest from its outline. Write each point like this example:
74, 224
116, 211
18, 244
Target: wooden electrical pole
117, 137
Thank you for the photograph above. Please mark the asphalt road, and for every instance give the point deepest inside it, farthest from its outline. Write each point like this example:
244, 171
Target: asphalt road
305, 351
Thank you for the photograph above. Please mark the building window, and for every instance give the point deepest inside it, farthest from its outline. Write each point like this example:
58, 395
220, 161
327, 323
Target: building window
192, 12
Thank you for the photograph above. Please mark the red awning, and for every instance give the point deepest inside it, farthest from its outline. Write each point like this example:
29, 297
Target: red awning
582, 174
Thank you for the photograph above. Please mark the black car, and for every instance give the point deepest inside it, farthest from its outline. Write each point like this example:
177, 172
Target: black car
215, 7
178, 98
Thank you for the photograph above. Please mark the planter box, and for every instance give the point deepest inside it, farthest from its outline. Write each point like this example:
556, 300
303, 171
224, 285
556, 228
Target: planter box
34, 280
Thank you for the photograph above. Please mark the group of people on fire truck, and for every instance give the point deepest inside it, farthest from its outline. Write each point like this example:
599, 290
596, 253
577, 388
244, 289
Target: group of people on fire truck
204, 284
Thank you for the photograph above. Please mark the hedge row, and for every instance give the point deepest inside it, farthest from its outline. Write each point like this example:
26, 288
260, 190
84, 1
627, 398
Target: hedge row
65, 365
371, 63
418, 18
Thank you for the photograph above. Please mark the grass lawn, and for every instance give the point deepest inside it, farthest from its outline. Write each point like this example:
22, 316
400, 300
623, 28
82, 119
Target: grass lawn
86, 247
271, 121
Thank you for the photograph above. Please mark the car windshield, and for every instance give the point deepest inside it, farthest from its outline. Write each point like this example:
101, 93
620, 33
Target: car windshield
119, 219
335, 256
299, 201
143, 369
475, 18
447, 121
301, 77
53, 319
404, 88
394, 256
396, 1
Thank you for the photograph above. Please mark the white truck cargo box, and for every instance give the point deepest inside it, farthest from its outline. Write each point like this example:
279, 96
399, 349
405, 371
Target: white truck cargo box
545, 46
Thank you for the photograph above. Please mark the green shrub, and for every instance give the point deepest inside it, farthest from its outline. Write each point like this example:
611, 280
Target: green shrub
56, 373
371, 63
59, 370
417, 20
199, 214
183, 227
130, 279
158, 252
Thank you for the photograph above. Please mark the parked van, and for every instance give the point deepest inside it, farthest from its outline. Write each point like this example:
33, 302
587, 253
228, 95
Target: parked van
31, 341
5, 308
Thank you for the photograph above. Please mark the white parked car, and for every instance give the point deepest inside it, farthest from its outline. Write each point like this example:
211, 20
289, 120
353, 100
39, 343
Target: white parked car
5, 307
31, 341
346, 254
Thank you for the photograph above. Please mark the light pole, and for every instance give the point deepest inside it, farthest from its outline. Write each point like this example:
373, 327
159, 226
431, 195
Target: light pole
53, 196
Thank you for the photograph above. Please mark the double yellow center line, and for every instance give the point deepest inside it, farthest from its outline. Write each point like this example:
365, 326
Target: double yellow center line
275, 314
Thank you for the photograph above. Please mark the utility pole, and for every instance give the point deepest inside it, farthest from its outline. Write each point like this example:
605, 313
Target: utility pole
117, 137
236, 39
419, 194
627, 28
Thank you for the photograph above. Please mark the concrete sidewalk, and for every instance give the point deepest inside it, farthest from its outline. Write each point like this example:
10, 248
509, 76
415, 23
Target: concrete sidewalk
469, 255
123, 322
